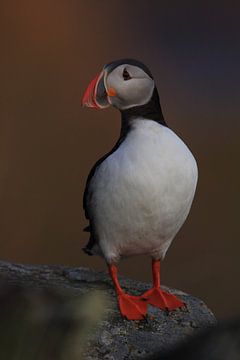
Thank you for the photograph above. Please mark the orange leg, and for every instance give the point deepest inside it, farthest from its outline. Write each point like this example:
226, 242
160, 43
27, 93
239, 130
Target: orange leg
131, 307
158, 297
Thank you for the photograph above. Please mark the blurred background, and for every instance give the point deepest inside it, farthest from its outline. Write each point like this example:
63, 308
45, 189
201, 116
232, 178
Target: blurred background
50, 50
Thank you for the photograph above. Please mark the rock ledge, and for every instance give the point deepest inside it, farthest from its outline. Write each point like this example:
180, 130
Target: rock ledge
117, 338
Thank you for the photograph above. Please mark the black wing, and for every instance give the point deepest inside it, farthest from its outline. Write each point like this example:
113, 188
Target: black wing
88, 193
86, 199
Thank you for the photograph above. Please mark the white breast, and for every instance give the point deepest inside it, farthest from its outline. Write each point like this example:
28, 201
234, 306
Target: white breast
143, 192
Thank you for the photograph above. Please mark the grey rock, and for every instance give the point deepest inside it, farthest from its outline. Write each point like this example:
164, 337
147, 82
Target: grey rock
116, 338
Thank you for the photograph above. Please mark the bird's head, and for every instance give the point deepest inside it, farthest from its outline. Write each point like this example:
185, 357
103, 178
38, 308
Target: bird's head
124, 84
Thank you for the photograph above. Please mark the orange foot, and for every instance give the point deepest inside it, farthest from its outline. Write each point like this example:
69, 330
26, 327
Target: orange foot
162, 299
132, 307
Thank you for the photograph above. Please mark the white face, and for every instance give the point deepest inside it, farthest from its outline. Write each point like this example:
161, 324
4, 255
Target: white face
133, 87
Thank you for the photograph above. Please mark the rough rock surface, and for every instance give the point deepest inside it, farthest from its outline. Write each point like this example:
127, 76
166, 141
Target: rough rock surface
117, 338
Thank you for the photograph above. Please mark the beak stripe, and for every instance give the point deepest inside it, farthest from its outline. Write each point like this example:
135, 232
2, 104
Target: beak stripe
89, 97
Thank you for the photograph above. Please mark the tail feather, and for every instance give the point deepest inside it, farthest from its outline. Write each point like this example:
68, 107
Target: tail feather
87, 228
87, 251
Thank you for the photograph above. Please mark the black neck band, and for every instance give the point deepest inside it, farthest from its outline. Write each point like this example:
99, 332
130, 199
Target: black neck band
152, 111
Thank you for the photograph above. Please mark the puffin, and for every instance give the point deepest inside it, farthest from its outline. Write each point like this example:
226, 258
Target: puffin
139, 194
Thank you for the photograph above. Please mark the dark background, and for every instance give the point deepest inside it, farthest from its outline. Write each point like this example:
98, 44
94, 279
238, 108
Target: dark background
49, 51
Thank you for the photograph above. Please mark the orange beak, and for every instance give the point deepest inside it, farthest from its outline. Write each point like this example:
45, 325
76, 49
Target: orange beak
89, 97
96, 95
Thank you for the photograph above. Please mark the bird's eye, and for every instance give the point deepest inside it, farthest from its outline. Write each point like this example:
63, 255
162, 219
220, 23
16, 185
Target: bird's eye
126, 75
